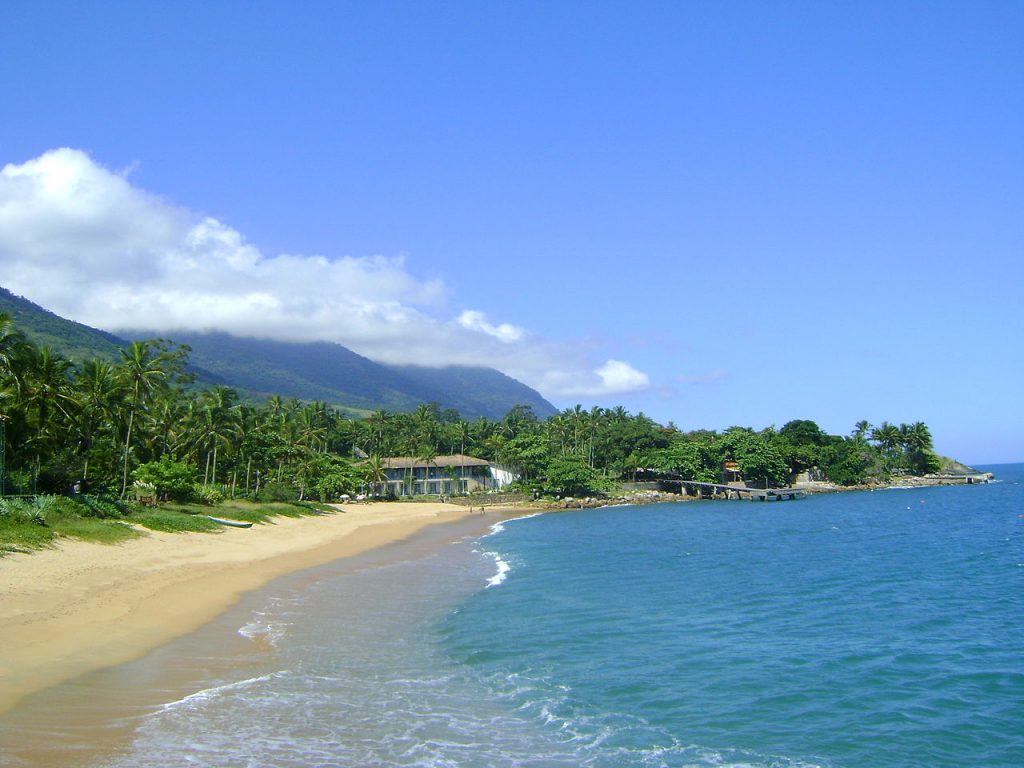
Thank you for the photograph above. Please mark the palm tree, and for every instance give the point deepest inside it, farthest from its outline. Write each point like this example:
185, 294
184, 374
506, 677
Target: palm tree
577, 417
426, 425
97, 391
464, 434
172, 418
618, 414
377, 421
374, 472
558, 430
219, 421
141, 373
12, 344
311, 427
46, 388
886, 435
595, 420
918, 437
275, 409
428, 455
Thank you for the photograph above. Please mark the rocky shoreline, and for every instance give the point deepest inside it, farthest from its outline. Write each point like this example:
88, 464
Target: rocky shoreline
814, 487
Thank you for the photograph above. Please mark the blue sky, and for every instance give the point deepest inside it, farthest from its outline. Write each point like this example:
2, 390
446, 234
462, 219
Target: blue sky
716, 213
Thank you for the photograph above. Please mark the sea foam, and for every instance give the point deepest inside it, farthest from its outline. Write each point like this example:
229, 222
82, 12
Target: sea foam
503, 569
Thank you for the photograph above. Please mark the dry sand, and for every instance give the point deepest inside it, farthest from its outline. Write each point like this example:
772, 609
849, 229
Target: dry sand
83, 607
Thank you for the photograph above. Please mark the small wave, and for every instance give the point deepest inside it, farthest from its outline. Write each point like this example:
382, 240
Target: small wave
503, 569
200, 697
262, 631
500, 526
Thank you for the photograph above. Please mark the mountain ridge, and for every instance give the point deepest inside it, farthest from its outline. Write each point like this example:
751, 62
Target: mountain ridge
318, 370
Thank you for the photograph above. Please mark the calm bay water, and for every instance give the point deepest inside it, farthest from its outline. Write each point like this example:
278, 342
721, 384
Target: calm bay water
880, 628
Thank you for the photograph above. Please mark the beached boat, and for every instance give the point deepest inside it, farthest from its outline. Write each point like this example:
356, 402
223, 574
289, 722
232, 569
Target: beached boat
232, 523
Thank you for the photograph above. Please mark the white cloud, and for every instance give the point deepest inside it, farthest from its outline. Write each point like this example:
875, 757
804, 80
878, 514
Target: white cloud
87, 244
617, 376
477, 321
614, 377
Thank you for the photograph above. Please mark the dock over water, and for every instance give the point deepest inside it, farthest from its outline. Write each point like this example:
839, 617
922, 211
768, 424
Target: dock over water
694, 487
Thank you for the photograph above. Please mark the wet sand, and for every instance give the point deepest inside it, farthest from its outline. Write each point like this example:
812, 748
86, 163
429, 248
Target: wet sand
93, 717
86, 607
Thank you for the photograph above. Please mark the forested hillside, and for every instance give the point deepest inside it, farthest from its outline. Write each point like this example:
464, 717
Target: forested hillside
339, 376
73, 340
259, 368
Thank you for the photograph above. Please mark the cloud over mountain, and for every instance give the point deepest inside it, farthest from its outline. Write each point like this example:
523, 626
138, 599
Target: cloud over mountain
87, 244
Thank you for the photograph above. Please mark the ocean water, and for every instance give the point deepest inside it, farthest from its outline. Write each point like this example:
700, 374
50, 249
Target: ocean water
862, 629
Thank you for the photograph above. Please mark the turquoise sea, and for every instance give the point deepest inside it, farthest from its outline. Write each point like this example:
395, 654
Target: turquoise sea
852, 630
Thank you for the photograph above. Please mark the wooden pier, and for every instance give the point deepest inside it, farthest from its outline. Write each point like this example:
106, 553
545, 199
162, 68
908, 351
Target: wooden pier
692, 487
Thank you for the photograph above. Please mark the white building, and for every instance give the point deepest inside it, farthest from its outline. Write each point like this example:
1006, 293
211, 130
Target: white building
408, 476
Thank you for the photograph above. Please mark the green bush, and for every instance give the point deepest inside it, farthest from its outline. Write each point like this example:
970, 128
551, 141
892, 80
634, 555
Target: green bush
19, 532
279, 492
209, 495
102, 507
571, 475
21, 512
170, 478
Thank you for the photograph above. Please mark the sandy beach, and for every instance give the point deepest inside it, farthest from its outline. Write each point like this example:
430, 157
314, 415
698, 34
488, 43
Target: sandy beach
83, 607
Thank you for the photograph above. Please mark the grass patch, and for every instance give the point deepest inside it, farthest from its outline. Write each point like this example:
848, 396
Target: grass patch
27, 525
173, 521
250, 511
90, 528
18, 534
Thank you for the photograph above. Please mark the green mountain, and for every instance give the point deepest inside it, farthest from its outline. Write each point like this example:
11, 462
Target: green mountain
333, 373
73, 340
259, 368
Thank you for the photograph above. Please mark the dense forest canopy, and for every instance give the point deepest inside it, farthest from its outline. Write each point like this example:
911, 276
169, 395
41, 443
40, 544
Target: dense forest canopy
105, 425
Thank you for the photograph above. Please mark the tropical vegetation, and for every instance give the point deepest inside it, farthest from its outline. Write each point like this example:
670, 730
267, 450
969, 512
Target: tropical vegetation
134, 428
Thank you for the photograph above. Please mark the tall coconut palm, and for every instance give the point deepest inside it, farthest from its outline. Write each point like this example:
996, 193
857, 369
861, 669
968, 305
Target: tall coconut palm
918, 437
275, 409
559, 431
97, 391
12, 343
425, 425
886, 435
218, 420
376, 421
595, 420
428, 455
142, 372
464, 434
861, 429
311, 427
46, 390
374, 472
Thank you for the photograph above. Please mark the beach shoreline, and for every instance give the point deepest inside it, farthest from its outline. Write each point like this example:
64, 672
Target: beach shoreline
83, 607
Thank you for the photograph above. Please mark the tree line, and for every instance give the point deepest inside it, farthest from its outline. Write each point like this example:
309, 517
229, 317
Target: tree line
105, 426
